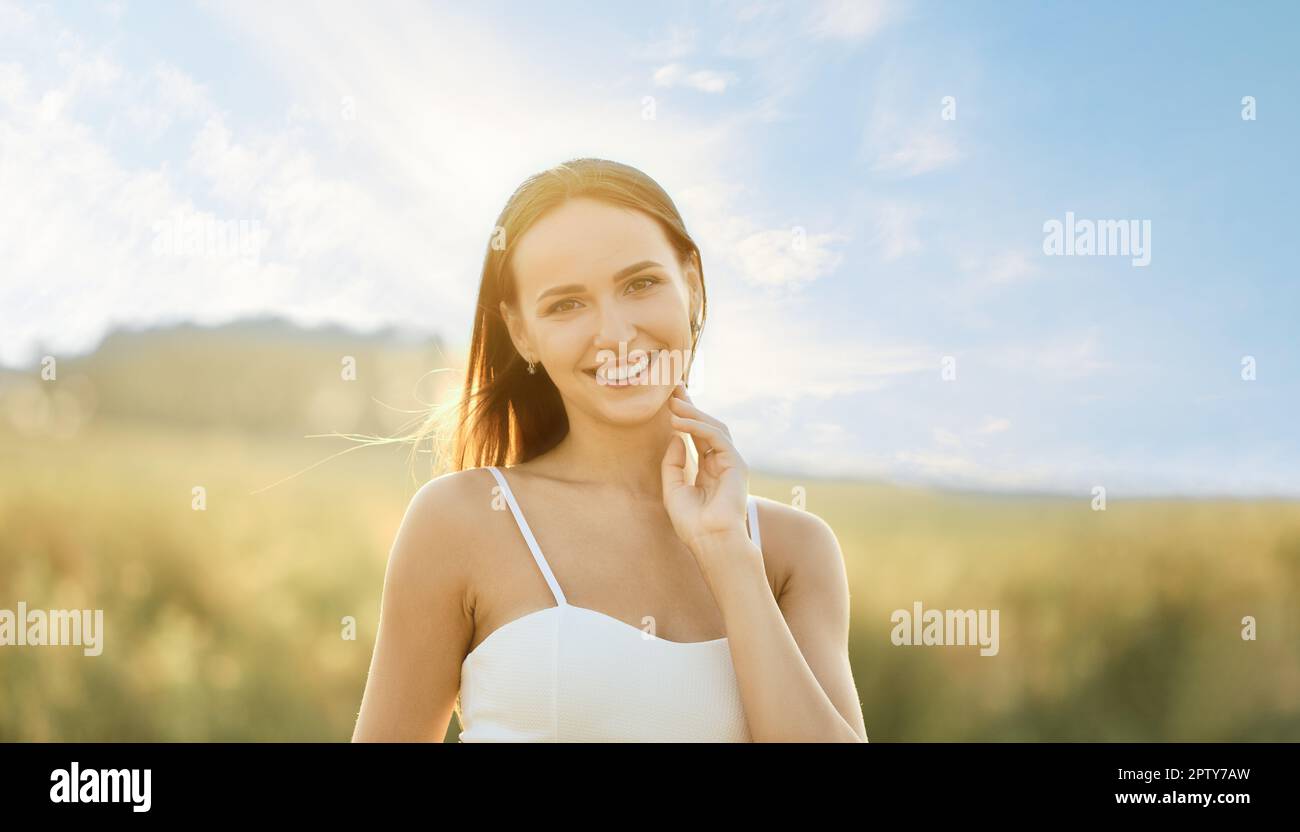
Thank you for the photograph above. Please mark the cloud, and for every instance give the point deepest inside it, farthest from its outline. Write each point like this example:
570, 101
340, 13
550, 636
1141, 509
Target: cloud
945, 437
787, 258
907, 139
1001, 269
969, 437
777, 258
1064, 356
179, 93
905, 134
992, 425
84, 253
677, 43
766, 350
704, 80
781, 45
918, 151
14, 19
827, 433
375, 194
1009, 267
852, 20
957, 470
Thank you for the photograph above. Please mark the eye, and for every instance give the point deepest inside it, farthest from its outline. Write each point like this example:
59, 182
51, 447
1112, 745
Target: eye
558, 306
649, 281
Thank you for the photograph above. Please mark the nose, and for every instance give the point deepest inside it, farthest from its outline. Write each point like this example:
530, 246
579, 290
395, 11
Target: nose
615, 325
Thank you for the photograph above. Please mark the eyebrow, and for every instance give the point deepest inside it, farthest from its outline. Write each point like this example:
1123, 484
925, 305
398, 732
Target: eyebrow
619, 275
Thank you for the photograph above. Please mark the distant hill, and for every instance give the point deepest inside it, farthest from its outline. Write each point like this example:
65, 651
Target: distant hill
257, 374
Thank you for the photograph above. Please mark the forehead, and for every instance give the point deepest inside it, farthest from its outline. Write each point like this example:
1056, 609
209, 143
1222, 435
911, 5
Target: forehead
585, 241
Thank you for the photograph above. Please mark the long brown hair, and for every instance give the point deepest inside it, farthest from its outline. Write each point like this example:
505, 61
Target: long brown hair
506, 415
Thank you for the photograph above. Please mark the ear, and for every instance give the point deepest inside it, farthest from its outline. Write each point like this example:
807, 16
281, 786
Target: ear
515, 326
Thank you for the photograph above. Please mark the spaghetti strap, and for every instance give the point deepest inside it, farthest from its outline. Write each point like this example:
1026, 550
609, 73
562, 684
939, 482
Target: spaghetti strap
753, 523
528, 537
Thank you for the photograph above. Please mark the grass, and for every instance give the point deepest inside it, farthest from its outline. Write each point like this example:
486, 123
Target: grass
225, 624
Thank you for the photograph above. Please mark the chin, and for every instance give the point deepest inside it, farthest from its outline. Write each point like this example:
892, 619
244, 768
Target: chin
627, 407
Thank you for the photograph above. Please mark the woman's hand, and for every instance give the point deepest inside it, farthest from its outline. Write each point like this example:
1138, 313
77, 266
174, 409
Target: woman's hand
709, 515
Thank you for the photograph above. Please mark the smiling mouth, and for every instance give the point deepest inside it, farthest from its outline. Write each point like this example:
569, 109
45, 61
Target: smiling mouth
633, 373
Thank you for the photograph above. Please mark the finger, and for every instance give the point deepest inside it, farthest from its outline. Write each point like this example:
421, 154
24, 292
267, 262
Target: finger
706, 436
673, 467
691, 411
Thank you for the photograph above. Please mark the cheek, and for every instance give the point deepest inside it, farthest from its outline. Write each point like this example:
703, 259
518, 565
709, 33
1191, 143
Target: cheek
667, 319
565, 346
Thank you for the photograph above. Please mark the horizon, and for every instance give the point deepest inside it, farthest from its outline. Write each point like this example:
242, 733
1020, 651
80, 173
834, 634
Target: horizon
278, 325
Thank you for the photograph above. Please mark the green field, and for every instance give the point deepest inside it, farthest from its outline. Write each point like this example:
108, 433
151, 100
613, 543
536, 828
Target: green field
225, 624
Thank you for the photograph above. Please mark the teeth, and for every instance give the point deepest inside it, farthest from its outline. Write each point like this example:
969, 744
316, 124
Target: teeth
622, 374
633, 370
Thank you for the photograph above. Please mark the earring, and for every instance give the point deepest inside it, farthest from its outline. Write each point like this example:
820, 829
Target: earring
532, 368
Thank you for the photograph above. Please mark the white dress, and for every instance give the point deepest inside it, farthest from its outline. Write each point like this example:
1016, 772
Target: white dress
572, 674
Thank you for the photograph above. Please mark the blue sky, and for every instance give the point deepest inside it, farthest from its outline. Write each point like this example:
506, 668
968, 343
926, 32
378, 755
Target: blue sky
374, 147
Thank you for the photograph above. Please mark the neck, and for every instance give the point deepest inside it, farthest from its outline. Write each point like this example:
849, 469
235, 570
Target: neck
626, 457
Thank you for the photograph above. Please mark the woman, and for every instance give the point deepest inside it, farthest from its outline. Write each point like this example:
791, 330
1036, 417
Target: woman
606, 585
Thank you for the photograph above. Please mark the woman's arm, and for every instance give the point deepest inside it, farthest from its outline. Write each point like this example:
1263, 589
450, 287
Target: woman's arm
424, 628
791, 657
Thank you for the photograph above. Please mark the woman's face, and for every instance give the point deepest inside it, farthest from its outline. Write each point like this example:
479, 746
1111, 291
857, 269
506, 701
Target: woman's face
604, 306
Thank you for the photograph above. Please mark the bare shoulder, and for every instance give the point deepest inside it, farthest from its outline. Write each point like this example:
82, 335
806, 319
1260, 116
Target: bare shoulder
448, 495
444, 515
799, 545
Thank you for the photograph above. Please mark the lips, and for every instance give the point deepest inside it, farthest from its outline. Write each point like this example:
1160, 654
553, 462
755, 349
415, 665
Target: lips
622, 375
